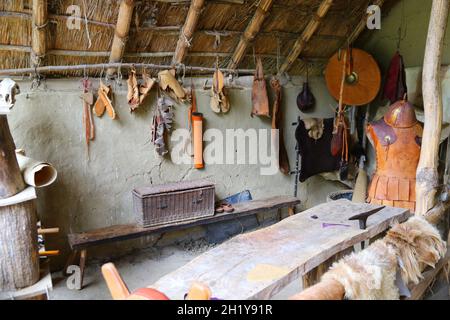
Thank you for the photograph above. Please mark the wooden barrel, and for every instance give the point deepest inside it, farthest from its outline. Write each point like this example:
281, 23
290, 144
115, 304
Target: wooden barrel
19, 256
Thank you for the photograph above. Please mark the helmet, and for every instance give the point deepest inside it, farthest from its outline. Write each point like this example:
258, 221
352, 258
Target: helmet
401, 114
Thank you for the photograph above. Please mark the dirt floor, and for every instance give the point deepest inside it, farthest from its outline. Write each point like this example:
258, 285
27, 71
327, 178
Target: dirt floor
144, 267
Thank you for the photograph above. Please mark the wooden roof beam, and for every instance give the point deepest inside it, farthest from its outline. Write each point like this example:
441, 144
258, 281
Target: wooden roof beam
121, 33
39, 32
360, 27
184, 41
306, 35
250, 32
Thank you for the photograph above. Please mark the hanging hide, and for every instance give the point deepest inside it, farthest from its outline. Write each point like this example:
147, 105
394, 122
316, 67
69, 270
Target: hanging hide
170, 85
162, 124
219, 100
277, 123
133, 90
395, 85
145, 87
260, 101
104, 101
137, 92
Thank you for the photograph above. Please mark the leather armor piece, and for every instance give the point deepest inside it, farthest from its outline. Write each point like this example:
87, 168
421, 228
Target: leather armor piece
396, 139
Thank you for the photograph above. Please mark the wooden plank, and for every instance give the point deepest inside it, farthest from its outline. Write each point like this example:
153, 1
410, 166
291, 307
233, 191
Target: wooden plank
185, 38
130, 231
250, 32
419, 290
308, 32
293, 247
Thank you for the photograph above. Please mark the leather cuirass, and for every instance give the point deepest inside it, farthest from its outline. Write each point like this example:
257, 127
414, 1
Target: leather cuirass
396, 139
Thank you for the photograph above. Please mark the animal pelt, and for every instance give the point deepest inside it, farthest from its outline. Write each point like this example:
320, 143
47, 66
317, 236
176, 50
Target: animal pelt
315, 127
368, 274
418, 244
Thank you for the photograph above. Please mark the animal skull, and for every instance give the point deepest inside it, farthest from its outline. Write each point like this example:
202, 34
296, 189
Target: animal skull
8, 91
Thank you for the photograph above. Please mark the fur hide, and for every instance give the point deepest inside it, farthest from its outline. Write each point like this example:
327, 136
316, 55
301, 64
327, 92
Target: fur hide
417, 244
368, 274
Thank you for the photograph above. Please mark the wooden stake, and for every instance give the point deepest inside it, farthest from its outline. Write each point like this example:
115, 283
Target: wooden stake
306, 35
184, 41
426, 175
250, 32
39, 31
121, 33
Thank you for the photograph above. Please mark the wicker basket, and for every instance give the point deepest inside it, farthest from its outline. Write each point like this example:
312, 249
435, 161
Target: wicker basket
174, 202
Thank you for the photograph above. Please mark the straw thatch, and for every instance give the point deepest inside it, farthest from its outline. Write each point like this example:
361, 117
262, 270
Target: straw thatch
155, 30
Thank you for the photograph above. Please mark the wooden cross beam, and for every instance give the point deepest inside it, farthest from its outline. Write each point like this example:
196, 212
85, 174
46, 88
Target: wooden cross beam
38, 35
250, 32
306, 35
184, 41
121, 33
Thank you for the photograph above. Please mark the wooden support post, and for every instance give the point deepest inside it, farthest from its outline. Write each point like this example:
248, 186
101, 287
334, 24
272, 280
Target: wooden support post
121, 33
306, 35
426, 175
184, 41
39, 32
250, 32
11, 181
19, 258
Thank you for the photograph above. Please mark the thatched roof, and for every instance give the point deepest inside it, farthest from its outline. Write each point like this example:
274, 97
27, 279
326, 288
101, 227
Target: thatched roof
155, 29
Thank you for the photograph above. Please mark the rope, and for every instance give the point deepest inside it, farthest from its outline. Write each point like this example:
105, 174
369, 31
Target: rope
38, 27
186, 40
86, 24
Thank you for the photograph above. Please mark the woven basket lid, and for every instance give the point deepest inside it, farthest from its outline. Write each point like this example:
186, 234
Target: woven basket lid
366, 76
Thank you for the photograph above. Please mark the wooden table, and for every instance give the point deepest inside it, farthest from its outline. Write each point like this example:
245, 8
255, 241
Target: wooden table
259, 264
80, 242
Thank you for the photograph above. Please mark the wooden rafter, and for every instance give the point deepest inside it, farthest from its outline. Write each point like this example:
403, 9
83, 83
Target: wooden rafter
39, 32
250, 32
185, 38
360, 27
306, 35
121, 33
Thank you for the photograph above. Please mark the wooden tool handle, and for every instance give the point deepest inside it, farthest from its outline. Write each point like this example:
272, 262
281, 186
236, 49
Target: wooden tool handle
48, 230
199, 291
114, 281
49, 253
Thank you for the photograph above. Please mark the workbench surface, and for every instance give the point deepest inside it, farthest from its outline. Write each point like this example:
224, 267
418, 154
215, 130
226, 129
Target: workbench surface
259, 264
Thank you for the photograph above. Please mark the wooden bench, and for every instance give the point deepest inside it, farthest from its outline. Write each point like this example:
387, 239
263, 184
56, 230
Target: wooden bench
259, 264
80, 242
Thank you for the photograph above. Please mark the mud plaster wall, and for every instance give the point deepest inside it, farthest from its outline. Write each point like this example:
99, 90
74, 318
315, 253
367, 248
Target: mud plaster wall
96, 193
